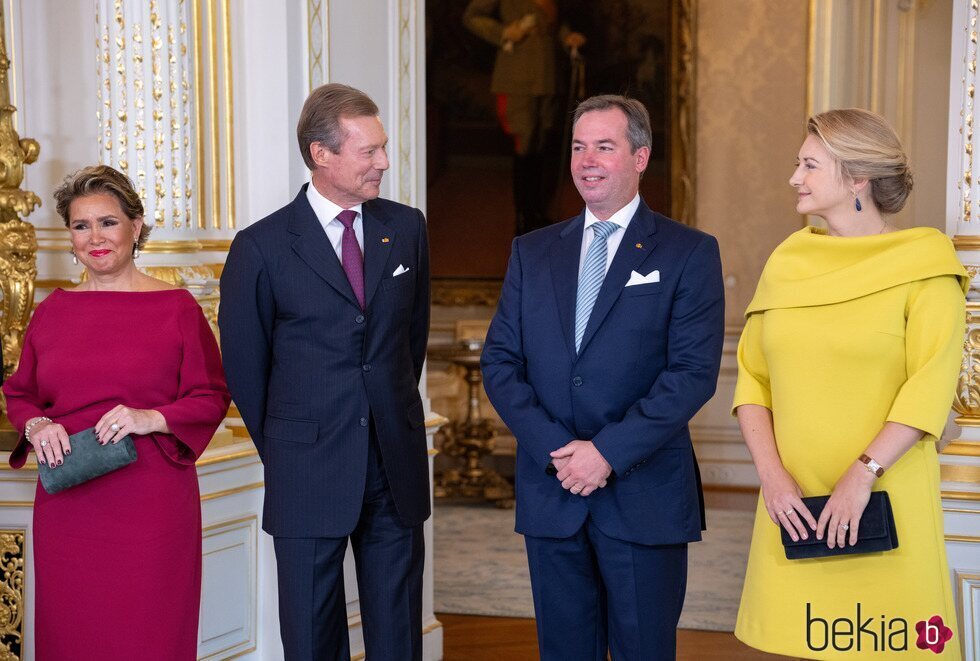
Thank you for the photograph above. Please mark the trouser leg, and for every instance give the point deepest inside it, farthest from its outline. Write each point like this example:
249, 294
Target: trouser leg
645, 587
312, 603
569, 598
389, 557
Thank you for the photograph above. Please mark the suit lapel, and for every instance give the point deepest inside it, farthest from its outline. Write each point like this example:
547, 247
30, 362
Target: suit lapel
565, 256
313, 247
376, 249
634, 248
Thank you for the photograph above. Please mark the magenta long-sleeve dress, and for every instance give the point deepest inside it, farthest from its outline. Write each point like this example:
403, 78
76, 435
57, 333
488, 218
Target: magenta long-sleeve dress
117, 560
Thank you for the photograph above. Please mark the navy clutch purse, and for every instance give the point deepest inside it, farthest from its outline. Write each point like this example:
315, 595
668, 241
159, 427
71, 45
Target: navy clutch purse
88, 460
876, 532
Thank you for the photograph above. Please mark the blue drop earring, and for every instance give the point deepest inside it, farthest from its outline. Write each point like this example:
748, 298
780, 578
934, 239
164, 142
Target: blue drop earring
857, 203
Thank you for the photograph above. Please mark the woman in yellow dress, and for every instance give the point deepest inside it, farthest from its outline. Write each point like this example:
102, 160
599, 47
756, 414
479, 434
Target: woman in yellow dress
846, 372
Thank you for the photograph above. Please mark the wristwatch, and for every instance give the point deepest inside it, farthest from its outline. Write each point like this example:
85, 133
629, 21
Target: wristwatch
872, 465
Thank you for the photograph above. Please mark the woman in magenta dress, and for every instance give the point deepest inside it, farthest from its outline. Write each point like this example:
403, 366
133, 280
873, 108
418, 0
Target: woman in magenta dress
117, 560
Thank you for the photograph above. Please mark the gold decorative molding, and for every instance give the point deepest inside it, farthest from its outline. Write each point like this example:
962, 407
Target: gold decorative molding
231, 456
966, 242
12, 602
972, 496
432, 627
435, 421
966, 539
962, 448
959, 473
683, 96
231, 492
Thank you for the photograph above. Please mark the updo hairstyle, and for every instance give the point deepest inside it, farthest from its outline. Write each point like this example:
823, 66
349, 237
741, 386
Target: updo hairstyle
866, 147
101, 179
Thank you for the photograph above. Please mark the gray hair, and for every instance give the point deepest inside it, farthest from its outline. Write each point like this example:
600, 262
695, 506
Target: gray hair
320, 119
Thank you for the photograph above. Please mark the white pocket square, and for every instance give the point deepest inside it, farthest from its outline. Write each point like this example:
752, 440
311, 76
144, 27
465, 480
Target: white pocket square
401, 269
639, 279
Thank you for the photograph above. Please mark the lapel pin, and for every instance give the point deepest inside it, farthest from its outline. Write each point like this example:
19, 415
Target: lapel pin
385, 240
639, 245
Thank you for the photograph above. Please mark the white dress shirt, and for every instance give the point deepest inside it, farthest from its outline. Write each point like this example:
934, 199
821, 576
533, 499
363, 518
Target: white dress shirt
327, 212
621, 218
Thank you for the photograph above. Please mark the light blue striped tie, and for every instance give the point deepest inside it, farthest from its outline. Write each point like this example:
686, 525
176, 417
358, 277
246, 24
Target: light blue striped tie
591, 277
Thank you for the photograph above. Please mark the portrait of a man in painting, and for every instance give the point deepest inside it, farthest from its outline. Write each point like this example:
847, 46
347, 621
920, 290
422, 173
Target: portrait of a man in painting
482, 190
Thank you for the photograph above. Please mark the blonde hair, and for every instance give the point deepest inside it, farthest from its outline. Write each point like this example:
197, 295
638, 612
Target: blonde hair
864, 146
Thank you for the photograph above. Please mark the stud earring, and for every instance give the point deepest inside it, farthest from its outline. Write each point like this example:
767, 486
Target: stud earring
857, 203
136, 250
74, 259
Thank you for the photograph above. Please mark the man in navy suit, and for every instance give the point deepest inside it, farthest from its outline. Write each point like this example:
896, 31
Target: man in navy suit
606, 341
324, 319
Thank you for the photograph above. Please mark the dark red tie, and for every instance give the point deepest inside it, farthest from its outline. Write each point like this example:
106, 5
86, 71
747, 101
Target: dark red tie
350, 255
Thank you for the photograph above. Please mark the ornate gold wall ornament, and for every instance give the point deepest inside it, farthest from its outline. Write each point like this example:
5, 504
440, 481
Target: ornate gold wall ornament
12, 594
967, 402
18, 241
683, 94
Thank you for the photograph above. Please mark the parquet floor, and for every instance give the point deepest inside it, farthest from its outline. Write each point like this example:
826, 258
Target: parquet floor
477, 638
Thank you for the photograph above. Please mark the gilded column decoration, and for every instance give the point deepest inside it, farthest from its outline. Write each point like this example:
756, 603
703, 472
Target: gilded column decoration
406, 102
18, 241
12, 594
145, 103
316, 14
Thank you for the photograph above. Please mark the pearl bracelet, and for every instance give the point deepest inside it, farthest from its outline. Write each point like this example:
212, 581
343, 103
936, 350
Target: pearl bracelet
33, 423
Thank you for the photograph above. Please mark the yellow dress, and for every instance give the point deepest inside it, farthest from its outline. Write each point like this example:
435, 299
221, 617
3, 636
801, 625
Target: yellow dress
844, 334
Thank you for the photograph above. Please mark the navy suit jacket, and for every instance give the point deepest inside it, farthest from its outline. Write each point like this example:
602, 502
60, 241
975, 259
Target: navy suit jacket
648, 361
308, 369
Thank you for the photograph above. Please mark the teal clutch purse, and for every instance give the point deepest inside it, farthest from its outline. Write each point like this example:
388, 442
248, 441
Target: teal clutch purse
87, 461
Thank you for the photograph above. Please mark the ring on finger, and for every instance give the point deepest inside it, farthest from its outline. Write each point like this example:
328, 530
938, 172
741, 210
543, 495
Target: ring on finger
843, 527
788, 512
44, 443
114, 426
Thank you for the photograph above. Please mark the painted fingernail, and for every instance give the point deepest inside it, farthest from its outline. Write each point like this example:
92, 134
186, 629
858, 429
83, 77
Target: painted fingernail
67, 451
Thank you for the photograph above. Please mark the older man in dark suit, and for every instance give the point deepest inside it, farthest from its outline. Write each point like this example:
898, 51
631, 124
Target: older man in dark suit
324, 319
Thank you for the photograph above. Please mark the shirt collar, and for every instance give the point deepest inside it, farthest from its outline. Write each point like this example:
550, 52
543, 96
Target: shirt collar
325, 210
621, 217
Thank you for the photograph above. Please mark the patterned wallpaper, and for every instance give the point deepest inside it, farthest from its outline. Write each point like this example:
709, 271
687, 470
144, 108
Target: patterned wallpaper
751, 70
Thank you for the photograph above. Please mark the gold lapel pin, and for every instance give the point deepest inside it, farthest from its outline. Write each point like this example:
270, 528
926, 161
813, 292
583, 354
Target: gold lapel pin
385, 240
639, 245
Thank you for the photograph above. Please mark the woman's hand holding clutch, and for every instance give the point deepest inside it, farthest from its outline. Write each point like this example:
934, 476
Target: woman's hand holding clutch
122, 420
49, 440
782, 497
842, 513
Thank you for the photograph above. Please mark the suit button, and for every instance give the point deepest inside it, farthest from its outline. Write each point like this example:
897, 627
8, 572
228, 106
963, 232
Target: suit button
366, 368
359, 319
577, 381
363, 422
